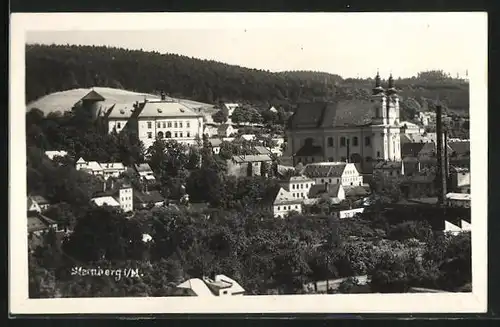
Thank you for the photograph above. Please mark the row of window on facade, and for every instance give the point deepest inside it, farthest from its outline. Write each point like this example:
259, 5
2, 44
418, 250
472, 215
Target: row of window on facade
298, 195
344, 140
168, 135
354, 159
288, 208
302, 186
168, 124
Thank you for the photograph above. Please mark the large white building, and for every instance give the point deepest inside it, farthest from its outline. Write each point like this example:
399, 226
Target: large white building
357, 131
345, 174
162, 118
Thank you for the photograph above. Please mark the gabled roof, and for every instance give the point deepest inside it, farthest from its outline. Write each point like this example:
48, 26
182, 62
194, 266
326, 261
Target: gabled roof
120, 111
143, 167
93, 96
411, 149
160, 109
39, 199
460, 148
330, 114
388, 165
106, 200
215, 142
330, 190
252, 158
262, 150
112, 165
148, 197
278, 195
81, 161
331, 169
309, 151
38, 222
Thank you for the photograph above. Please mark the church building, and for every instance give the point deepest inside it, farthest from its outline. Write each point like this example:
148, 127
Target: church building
354, 131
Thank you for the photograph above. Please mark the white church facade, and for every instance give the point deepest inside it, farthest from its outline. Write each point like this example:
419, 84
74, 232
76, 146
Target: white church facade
355, 131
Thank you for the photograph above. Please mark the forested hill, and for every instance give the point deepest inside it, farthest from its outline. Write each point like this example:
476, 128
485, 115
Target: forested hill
52, 68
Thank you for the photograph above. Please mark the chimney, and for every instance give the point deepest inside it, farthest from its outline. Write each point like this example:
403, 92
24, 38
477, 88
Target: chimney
104, 186
163, 96
348, 150
441, 161
112, 184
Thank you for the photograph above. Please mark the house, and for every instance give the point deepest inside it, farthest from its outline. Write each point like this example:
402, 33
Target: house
215, 143
281, 202
91, 167
333, 173
221, 285
248, 137
348, 130
210, 130
298, 186
122, 198
389, 169
39, 224
461, 200
409, 128
225, 130
168, 119
119, 115
112, 169
333, 192
454, 229
37, 203
53, 154
148, 198
459, 178
145, 172
239, 165
419, 186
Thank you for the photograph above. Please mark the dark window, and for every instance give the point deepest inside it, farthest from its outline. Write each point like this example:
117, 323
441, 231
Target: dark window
355, 141
180, 134
175, 124
150, 135
160, 135
188, 134
312, 159
163, 124
169, 124
175, 134
368, 159
342, 141
119, 125
168, 135
378, 154
187, 124
158, 125
180, 124
330, 141
149, 124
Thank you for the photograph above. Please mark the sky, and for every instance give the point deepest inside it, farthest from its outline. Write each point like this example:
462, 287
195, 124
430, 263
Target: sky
351, 45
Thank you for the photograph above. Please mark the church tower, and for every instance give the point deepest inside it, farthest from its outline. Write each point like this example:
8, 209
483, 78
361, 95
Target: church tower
392, 103
379, 100
393, 129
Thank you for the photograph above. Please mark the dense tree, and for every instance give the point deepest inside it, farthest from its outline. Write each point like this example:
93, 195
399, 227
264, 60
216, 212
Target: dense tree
219, 117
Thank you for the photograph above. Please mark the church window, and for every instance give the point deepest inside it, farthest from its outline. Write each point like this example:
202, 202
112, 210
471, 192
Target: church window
330, 141
355, 141
342, 141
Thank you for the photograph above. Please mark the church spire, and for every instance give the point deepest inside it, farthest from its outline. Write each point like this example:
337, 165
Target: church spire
391, 89
378, 85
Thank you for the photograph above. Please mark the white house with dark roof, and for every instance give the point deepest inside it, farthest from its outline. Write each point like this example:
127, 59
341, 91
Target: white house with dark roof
298, 186
104, 169
122, 198
53, 154
91, 167
357, 131
166, 119
221, 285
39, 224
215, 143
342, 173
37, 203
281, 202
145, 172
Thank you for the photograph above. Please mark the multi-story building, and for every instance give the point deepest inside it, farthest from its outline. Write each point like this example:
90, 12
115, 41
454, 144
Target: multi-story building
298, 186
281, 202
151, 119
357, 131
122, 198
